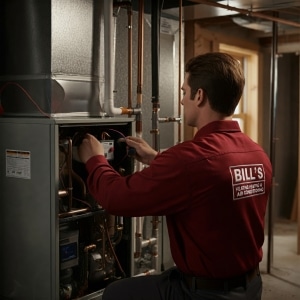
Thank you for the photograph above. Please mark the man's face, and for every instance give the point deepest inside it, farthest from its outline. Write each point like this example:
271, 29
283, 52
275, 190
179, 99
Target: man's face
190, 106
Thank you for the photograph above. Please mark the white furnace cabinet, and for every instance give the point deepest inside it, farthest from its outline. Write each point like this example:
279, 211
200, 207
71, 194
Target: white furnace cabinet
56, 241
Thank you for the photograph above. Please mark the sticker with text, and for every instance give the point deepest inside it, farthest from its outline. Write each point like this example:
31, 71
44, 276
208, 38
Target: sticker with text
247, 180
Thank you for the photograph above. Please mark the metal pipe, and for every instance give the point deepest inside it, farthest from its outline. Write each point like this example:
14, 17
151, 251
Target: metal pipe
62, 193
129, 25
138, 238
179, 69
146, 273
86, 251
70, 168
139, 124
273, 106
109, 63
139, 127
155, 222
169, 119
248, 12
155, 50
149, 242
73, 212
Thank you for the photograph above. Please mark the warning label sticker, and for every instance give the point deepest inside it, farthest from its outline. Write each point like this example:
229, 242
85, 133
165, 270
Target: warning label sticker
247, 180
18, 164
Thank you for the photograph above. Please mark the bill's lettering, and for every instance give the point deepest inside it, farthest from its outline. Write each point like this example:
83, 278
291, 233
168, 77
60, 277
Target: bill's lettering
247, 180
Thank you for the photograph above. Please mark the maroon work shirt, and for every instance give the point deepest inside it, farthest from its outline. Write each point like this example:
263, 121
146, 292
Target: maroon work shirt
213, 191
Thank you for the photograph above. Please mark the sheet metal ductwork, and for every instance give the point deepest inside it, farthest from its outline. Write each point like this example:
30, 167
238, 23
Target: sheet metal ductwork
51, 61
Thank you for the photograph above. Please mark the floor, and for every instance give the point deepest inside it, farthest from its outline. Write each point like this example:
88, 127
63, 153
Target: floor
283, 282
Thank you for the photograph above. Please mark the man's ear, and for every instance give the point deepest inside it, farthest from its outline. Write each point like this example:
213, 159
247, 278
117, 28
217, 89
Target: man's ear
200, 97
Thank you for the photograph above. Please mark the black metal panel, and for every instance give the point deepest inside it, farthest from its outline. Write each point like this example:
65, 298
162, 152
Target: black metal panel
25, 37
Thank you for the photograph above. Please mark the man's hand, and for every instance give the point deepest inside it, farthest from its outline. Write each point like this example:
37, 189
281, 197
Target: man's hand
144, 153
89, 147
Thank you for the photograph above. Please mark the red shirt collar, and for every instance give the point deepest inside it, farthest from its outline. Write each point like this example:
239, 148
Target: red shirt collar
218, 126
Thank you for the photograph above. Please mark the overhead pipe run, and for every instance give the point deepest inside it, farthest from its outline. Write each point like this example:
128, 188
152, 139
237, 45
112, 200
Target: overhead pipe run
247, 12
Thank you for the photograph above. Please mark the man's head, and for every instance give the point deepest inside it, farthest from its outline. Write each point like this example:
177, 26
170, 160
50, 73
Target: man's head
221, 79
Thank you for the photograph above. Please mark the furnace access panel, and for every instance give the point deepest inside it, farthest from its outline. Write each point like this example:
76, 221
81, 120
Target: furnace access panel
58, 241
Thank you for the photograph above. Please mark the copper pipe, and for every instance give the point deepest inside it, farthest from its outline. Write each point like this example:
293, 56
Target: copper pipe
73, 212
247, 12
86, 263
89, 248
139, 124
146, 273
111, 225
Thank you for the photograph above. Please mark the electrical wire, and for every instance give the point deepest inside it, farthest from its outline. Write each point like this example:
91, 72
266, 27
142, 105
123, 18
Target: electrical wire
113, 251
26, 93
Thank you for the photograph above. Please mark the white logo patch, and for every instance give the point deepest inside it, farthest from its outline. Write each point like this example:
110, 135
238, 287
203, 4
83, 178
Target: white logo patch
247, 180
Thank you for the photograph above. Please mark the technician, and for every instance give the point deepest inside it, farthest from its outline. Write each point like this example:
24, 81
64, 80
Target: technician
212, 189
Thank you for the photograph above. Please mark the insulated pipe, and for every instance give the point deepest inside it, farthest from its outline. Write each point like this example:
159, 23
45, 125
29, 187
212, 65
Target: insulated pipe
273, 92
109, 62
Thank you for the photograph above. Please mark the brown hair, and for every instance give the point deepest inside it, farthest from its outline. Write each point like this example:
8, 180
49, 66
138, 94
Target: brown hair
220, 76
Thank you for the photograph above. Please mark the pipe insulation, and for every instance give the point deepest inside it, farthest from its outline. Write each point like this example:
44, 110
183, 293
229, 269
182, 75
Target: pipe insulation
109, 62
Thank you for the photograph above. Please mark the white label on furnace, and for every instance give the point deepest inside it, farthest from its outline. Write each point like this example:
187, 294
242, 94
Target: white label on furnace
18, 164
247, 180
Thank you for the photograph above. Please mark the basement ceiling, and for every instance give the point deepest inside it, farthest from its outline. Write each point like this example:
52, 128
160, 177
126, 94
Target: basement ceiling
252, 14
